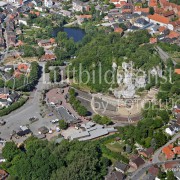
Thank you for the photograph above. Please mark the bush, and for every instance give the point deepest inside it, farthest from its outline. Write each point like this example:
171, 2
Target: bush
13, 107
102, 119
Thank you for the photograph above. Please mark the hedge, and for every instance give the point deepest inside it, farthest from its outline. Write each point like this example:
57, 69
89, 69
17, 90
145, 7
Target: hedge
13, 107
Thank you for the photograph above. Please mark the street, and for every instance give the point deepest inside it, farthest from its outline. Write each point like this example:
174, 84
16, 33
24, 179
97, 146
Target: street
155, 160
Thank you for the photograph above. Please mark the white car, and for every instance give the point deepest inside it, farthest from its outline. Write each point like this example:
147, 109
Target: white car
55, 121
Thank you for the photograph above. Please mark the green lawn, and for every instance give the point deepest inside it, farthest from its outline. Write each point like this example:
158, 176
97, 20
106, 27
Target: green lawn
115, 146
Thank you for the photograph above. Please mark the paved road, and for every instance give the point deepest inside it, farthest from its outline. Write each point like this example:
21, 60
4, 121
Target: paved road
139, 173
155, 160
164, 55
22, 115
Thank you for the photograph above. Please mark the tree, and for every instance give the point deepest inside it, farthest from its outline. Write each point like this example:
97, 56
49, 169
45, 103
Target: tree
63, 124
170, 176
82, 111
69, 160
10, 150
151, 10
40, 51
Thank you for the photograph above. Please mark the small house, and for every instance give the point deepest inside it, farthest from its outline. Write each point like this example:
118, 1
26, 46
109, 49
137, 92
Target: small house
147, 153
137, 162
121, 167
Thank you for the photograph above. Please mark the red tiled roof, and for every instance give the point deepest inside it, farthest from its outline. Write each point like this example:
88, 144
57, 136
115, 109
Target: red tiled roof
22, 67
153, 170
35, 12
170, 165
168, 152
153, 3
86, 16
168, 13
177, 71
145, 10
177, 150
118, 30
175, 23
153, 40
3, 96
126, 11
173, 34
52, 40
161, 28
159, 10
159, 18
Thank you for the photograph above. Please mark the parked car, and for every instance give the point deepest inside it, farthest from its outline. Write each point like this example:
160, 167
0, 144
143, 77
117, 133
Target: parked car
33, 119
2, 122
50, 114
55, 121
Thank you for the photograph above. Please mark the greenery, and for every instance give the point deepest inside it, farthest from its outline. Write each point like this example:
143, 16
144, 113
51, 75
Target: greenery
13, 106
148, 132
55, 75
151, 10
26, 82
112, 154
169, 47
175, 1
101, 119
66, 47
63, 124
103, 48
52, 63
81, 110
44, 160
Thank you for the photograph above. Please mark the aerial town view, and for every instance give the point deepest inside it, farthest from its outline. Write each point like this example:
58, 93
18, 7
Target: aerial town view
89, 89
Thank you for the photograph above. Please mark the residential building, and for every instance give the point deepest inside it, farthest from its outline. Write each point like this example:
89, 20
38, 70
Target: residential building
153, 170
23, 21
141, 22
147, 153
172, 129
82, 18
79, 6
137, 162
121, 167
168, 152
115, 175
3, 174
48, 3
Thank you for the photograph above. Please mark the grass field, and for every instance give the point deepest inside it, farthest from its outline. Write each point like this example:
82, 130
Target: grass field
115, 146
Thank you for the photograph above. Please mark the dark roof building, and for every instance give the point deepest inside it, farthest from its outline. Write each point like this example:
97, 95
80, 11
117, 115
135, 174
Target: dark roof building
121, 167
116, 176
136, 163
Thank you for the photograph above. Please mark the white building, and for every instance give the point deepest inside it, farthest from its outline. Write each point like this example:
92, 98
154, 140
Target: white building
23, 21
48, 3
171, 130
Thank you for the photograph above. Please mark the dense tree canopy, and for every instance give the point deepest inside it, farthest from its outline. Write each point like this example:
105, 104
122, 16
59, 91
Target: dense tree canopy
96, 57
67, 161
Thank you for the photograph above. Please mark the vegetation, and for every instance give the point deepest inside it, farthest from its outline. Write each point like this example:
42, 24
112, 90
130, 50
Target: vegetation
81, 110
151, 10
44, 160
148, 132
26, 82
55, 75
63, 124
13, 106
101, 119
52, 63
175, 1
97, 55
117, 156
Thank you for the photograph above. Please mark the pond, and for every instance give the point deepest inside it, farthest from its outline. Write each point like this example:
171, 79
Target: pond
76, 33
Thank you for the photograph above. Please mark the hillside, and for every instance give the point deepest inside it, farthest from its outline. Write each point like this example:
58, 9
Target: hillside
104, 49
